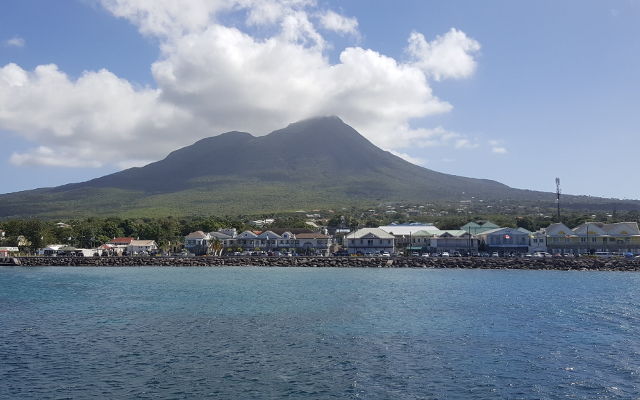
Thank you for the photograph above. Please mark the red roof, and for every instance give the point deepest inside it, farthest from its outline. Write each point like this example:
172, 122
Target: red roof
121, 240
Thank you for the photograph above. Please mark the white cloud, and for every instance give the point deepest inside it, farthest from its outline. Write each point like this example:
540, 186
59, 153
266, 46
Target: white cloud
333, 21
448, 56
213, 78
15, 41
497, 147
413, 160
94, 120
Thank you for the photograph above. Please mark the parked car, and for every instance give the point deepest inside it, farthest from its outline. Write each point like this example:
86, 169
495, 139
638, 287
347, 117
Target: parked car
385, 254
444, 254
495, 254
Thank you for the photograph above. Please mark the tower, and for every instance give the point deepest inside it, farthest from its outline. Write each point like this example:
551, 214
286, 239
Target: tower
558, 191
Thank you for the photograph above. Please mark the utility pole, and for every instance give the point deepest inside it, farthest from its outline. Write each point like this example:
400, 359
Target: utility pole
558, 191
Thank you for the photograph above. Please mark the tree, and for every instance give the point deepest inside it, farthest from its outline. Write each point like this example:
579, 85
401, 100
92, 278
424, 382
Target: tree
215, 247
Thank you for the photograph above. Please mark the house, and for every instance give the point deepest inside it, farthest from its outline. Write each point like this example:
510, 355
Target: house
505, 240
231, 232
538, 241
142, 246
54, 250
478, 227
370, 240
119, 245
420, 241
403, 233
314, 243
51, 250
224, 239
591, 237
197, 242
454, 241
6, 251
268, 241
247, 240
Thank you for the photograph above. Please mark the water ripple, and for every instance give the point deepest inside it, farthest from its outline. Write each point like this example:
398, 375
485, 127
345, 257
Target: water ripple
223, 333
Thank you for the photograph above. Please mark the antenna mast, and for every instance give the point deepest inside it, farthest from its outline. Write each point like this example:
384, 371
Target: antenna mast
558, 192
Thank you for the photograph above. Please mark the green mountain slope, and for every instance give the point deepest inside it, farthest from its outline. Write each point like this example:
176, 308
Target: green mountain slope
314, 163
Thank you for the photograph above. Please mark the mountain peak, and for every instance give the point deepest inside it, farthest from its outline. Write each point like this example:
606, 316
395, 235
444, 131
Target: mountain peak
312, 162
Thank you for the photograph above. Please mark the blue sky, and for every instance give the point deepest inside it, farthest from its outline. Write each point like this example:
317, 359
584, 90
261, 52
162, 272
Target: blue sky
534, 90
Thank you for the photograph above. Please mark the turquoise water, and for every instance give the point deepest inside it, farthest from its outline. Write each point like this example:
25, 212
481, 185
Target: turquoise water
304, 333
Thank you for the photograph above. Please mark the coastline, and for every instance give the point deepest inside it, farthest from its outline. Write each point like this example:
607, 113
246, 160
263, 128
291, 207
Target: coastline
566, 264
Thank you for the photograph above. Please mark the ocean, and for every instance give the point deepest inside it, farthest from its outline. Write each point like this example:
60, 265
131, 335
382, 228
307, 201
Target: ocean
314, 333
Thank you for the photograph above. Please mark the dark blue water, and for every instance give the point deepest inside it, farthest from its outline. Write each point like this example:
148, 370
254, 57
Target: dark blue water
256, 333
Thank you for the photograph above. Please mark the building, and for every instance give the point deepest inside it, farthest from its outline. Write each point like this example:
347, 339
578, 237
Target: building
370, 241
403, 233
6, 251
51, 250
538, 241
505, 240
313, 243
197, 242
592, 237
454, 241
478, 227
119, 245
142, 247
247, 240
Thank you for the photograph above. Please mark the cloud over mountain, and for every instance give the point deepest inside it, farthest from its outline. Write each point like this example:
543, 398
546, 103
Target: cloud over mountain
213, 77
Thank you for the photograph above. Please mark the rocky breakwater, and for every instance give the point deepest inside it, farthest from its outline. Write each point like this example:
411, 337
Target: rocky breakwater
583, 263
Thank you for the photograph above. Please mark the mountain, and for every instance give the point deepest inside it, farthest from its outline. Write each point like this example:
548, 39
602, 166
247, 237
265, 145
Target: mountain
314, 163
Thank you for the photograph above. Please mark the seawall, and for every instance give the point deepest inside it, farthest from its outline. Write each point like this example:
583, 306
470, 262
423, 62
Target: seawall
584, 263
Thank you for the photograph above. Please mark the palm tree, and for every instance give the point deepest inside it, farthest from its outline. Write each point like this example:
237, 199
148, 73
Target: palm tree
215, 247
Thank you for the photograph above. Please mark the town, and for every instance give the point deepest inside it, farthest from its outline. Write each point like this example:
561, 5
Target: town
412, 239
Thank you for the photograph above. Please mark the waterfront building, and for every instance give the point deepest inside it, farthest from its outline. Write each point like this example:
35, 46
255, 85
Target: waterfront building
6, 251
505, 240
475, 228
119, 245
403, 233
454, 241
313, 243
197, 242
141, 247
421, 241
538, 241
592, 237
370, 241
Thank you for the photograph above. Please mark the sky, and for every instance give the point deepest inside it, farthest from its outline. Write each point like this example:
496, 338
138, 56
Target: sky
520, 92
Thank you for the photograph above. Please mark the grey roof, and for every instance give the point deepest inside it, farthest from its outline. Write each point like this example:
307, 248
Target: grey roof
379, 233
219, 236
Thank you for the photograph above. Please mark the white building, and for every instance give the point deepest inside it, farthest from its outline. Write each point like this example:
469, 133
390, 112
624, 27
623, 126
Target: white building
370, 240
316, 243
403, 233
142, 246
197, 242
538, 241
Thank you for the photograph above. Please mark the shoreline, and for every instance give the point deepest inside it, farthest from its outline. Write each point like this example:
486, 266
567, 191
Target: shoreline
566, 264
